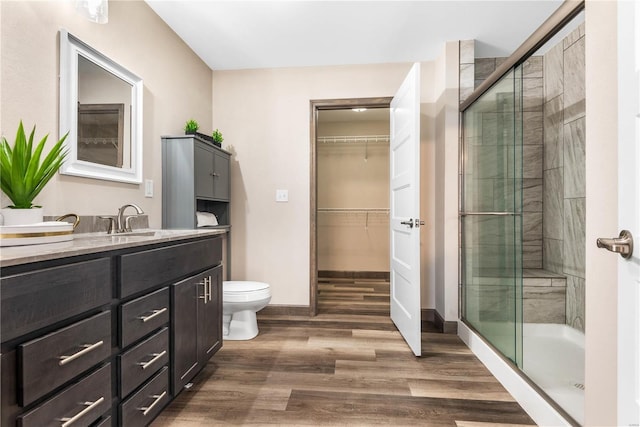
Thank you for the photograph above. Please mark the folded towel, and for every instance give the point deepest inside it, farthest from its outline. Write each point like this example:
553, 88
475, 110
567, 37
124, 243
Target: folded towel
206, 219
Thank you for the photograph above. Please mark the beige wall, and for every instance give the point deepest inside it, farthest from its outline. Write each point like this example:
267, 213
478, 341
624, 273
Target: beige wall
601, 293
446, 182
177, 86
265, 115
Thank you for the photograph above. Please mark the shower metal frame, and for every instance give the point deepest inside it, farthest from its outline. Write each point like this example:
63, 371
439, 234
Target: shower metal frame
552, 25
567, 11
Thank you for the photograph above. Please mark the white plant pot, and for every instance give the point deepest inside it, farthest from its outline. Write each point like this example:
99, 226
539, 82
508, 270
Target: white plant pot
21, 216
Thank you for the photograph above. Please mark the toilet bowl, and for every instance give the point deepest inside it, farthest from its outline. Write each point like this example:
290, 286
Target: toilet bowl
240, 302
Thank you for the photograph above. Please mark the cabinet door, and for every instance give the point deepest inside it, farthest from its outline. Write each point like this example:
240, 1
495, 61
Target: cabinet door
221, 176
210, 316
204, 168
184, 326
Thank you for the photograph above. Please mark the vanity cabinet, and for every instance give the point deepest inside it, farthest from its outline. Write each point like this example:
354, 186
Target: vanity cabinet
144, 353
196, 324
56, 342
88, 339
195, 177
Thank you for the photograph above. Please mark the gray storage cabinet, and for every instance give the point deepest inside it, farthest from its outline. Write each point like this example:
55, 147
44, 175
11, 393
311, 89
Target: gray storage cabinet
195, 177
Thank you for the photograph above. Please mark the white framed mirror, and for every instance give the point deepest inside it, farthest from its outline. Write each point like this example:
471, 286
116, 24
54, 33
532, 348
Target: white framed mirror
101, 108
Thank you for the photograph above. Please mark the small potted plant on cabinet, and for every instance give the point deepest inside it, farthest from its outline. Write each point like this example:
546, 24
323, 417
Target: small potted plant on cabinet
23, 175
191, 127
217, 137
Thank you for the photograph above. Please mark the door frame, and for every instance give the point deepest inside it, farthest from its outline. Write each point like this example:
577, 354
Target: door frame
315, 106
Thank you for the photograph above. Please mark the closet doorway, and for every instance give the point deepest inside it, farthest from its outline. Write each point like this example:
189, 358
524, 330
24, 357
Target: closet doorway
350, 207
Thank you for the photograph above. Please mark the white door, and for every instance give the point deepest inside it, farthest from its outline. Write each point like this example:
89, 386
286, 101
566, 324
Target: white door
405, 209
629, 212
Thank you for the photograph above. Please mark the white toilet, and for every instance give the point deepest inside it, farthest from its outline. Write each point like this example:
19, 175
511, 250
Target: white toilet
240, 302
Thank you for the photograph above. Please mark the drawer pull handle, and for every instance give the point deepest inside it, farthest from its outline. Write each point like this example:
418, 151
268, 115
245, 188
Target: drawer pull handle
158, 398
156, 357
205, 287
67, 421
210, 292
87, 348
154, 313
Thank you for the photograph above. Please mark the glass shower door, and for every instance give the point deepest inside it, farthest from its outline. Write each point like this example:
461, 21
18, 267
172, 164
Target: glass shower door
490, 216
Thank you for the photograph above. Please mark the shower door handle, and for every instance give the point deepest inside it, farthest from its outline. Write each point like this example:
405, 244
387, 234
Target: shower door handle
409, 223
622, 245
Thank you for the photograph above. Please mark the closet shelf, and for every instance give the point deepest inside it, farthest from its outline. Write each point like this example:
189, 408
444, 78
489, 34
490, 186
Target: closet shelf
358, 211
348, 139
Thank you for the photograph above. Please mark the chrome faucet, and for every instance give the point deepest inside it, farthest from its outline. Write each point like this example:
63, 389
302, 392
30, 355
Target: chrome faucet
125, 227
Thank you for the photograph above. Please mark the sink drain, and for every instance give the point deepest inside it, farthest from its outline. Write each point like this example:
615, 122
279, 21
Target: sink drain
579, 386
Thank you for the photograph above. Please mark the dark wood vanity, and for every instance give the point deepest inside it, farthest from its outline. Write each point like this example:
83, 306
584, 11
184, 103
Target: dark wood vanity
108, 337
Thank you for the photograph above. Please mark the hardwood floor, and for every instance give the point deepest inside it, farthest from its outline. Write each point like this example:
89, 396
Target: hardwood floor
353, 296
345, 366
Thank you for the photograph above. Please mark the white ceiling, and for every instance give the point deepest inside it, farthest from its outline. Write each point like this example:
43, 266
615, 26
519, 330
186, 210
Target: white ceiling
238, 34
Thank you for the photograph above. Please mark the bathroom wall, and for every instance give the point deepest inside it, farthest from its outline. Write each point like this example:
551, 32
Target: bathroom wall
446, 86
601, 129
353, 175
265, 117
177, 86
564, 168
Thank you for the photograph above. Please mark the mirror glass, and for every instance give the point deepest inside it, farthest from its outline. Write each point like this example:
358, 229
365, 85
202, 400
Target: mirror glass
101, 108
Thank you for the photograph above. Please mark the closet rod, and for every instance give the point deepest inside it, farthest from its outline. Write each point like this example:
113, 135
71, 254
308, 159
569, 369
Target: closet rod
348, 139
366, 210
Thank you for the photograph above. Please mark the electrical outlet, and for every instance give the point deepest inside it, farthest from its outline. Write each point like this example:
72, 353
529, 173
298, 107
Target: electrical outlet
282, 195
148, 188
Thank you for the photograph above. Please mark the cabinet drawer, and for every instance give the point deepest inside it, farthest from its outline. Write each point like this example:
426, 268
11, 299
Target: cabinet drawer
104, 423
85, 401
143, 270
50, 361
141, 408
34, 300
143, 315
142, 361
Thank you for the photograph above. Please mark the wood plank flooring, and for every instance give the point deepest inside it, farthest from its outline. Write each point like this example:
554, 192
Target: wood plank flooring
353, 296
344, 367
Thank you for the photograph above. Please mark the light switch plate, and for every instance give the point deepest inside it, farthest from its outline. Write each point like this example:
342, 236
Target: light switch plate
148, 188
282, 196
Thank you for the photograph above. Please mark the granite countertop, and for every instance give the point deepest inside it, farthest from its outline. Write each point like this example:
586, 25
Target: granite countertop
88, 243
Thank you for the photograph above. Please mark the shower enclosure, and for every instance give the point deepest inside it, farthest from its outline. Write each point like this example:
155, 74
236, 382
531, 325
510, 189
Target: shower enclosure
522, 216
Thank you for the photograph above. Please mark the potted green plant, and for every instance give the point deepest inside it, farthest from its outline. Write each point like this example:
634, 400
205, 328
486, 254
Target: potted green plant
217, 137
191, 127
23, 174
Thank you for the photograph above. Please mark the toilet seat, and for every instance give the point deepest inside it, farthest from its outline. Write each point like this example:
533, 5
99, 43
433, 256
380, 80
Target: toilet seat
241, 291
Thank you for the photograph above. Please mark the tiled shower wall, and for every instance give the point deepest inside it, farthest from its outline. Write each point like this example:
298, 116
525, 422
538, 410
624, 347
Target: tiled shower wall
564, 169
554, 164
533, 138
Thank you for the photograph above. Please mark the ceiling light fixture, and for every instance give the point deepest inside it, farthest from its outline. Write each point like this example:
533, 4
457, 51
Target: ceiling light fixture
94, 10
359, 109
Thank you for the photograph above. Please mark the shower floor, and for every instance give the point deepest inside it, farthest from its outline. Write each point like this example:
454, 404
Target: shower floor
553, 357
